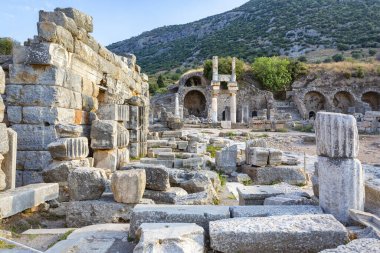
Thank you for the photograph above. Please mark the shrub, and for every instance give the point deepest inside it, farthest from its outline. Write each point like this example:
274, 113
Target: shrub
224, 67
338, 57
273, 72
302, 59
327, 60
359, 72
343, 47
372, 52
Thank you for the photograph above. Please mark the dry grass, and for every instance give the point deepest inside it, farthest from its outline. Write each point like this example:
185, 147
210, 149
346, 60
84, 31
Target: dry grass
346, 66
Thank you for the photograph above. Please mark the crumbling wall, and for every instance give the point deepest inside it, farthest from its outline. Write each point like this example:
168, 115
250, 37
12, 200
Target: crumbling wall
64, 76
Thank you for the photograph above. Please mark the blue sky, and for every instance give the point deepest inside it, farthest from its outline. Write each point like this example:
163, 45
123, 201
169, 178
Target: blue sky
114, 20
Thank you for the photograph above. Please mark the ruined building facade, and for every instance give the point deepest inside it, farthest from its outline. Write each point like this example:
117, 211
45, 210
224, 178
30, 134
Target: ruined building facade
69, 97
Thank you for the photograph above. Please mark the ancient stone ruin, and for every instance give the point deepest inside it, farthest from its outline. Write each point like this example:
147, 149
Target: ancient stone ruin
91, 163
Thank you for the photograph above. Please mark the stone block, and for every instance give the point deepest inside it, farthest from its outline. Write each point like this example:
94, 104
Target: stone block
86, 183
265, 211
272, 234
31, 177
3, 183
4, 141
157, 143
9, 163
69, 148
128, 186
134, 118
2, 109
200, 215
113, 112
275, 157
81, 19
134, 150
259, 156
165, 197
182, 145
34, 137
50, 32
106, 159
372, 196
60, 19
341, 186
22, 198
157, 176
193, 163
172, 134
122, 157
104, 134
291, 199
90, 212
2, 81
255, 195
337, 135
365, 245
122, 136
68, 130
58, 171
226, 124
47, 54
33, 160
226, 159
14, 114
293, 175
154, 161
197, 147
170, 237
166, 156
135, 135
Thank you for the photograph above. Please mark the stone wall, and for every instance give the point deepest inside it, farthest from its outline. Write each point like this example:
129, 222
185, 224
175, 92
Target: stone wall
334, 93
64, 76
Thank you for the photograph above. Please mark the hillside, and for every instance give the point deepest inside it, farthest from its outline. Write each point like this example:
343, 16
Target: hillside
260, 28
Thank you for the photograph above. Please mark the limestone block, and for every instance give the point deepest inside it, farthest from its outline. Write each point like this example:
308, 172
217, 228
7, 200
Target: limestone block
81, 19
113, 112
2, 81
106, 159
197, 147
166, 156
3, 183
22, 198
68, 130
91, 58
182, 145
291, 199
58, 171
47, 54
170, 237
372, 196
33, 160
69, 148
128, 186
44, 96
134, 150
336, 135
154, 161
31, 177
153, 152
4, 141
50, 32
122, 157
255, 195
165, 197
48, 115
122, 136
275, 156
157, 176
200, 215
226, 124
193, 163
89, 103
14, 114
226, 159
134, 117
265, 211
104, 134
86, 183
157, 143
272, 234
2, 109
60, 19
294, 175
198, 198
172, 134
135, 135
9, 163
259, 156
341, 186
358, 245
105, 210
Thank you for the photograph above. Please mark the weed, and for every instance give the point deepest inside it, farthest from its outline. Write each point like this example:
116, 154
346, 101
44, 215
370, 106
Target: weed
4, 245
282, 130
223, 179
262, 136
247, 182
231, 196
305, 129
61, 238
212, 150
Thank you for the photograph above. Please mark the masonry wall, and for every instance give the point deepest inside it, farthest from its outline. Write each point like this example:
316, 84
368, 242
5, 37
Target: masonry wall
64, 76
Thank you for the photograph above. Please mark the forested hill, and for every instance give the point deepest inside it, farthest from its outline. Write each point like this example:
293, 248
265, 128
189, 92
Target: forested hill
259, 28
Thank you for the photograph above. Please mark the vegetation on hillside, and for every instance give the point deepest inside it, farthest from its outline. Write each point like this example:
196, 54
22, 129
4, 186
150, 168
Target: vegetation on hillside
224, 67
262, 28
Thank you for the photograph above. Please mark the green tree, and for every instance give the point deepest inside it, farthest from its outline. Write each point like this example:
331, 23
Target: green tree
273, 72
372, 52
6, 46
224, 67
160, 82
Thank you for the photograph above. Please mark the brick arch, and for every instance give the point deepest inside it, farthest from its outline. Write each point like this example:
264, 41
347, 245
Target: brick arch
195, 103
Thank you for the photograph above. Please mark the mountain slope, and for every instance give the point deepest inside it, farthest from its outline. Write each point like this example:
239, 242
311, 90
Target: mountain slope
259, 28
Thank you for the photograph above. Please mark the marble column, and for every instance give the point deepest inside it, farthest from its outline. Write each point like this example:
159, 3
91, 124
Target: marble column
215, 69
176, 106
233, 107
233, 75
214, 108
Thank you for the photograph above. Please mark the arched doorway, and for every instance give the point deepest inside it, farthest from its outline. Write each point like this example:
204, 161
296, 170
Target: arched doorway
373, 99
343, 100
193, 81
314, 102
195, 103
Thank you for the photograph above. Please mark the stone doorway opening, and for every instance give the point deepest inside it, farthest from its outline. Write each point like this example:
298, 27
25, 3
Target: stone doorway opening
315, 101
195, 104
343, 101
373, 99
193, 81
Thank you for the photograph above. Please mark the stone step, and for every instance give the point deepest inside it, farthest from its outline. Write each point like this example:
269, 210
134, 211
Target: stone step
265, 211
22, 198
